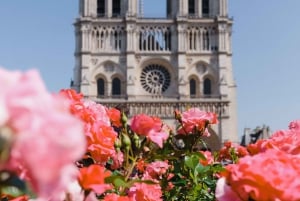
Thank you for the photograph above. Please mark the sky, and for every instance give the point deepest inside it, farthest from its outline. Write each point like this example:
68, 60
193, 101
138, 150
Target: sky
266, 51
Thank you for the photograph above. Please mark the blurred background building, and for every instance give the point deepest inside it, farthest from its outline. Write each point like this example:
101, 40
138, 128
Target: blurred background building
156, 65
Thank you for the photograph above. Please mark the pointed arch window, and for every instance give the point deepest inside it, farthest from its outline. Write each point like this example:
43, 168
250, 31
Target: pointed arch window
191, 5
100, 8
207, 86
116, 87
193, 91
116, 8
100, 87
205, 8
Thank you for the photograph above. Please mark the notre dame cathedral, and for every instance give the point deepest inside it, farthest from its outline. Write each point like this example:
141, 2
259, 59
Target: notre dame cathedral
156, 65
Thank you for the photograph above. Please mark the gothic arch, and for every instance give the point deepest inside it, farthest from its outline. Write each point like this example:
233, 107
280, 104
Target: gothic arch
203, 68
209, 85
108, 67
158, 60
194, 66
194, 86
101, 85
117, 85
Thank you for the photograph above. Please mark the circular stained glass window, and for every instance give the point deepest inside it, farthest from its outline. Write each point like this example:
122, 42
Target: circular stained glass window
155, 79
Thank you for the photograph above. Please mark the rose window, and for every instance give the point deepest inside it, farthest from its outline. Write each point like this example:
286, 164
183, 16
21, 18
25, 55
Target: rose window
155, 79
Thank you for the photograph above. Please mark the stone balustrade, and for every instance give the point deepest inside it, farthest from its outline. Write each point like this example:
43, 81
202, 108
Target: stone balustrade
165, 109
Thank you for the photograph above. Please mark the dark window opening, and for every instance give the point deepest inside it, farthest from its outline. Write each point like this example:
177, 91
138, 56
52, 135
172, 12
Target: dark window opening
207, 87
116, 8
116, 87
169, 9
191, 41
205, 7
193, 88
100, 87
192, 7
100, 8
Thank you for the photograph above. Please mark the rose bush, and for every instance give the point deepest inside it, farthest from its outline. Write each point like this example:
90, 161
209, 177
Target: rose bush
64, 147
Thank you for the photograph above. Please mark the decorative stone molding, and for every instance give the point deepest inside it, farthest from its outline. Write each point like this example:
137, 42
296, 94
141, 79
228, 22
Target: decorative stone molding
94, 61
166, 109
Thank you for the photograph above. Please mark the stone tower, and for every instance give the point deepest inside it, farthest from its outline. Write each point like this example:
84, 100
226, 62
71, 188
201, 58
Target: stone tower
157, 65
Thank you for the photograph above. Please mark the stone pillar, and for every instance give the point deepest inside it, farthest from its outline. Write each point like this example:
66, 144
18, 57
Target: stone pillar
108, 8
227, 89
132, 8
88, 8
199, 8
85, 75
222, 38
183, 8
93, 8
182, 81
223, 9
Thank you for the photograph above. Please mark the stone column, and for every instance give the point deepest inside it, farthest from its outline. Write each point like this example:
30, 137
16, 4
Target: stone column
183, 8
223, 8
132, 8
108, 8
199, 8
93, 8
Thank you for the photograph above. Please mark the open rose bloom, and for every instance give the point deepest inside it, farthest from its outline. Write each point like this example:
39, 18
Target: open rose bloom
45, 135
269, 174
151, 127
196, 120
46, 138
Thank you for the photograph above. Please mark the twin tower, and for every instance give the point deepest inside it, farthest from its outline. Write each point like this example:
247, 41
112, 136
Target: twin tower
156, 65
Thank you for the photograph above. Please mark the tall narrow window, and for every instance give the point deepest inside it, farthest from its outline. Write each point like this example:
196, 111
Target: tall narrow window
101, 8
191, 7
193, 88
169, 9
100, 87
116, 87
116, 8
116, 40
205, 8
207, 86
206, 42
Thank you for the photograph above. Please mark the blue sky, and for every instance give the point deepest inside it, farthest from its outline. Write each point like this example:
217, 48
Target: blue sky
266, 51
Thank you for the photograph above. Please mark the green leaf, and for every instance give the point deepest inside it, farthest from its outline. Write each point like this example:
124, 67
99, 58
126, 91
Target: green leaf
200, 155
200, 169
191, 161
12, 191
117, 181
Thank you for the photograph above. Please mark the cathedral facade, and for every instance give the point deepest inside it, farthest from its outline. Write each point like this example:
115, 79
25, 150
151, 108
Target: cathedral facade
156, 65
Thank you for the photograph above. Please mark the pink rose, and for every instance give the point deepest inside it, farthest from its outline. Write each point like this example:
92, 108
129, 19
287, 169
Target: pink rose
284, 140
145, 192
266, 176
157, 168
196, 119
118, 159
115, 117
151, 127
101, 142
295, 125
208, 158
93, 178
47, 138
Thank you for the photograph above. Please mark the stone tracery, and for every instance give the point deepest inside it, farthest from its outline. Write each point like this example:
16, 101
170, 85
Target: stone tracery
155, 79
